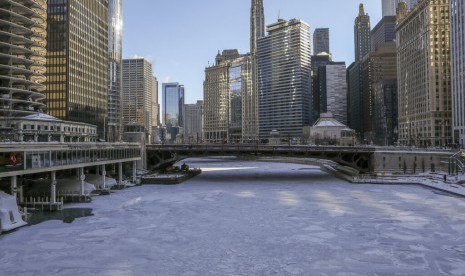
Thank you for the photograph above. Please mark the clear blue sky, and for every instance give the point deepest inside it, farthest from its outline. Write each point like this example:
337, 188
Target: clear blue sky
180, 37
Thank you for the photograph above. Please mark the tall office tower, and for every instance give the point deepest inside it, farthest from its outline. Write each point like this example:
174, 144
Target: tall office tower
173, 110
155, 104
378, 70
333, 90
424, 72
243, 113
284, 84
137, 92
384, 31
257, 24
193, 122
362, 34
321, 59
22, 61
458, 69
229, 103
362, 47
390, 6
250, 99
115, 59
321, 41
77, 61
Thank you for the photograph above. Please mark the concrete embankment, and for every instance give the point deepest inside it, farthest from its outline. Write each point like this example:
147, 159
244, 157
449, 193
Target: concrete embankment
433, 181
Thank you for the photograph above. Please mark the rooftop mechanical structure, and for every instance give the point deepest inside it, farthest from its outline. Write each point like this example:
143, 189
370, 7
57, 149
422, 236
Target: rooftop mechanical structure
22, 57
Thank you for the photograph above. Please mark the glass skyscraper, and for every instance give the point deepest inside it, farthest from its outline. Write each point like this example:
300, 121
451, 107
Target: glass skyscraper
457, 17
321, 41
115, 57
173, 105
77, 61
284, 84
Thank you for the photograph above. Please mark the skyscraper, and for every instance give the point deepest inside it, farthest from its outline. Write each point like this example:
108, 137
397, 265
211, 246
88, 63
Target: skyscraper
193, 122
333, 90
321, 41
362, 34
155, 104
424, 77
284, 73
137, 92
257, 24
250, 99
389, 7
362, 43
115, 58
77, 61
384, 31
173, 110
229, 104
458, 69
22, 64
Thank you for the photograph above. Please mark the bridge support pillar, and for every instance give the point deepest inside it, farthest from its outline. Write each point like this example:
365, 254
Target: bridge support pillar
53, 188
97, 170
120, 173
82, 177
104, 180
134, 171
14, 186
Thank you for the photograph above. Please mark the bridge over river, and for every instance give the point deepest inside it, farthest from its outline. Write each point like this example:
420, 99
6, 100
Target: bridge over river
359, 160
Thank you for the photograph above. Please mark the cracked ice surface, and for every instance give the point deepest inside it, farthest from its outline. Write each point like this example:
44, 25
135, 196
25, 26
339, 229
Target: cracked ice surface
250, 218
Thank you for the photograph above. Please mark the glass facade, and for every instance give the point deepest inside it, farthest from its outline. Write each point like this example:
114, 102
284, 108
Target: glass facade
77, 61
115, 55
321, 41
458, 69
284, 84
22, 62
173, 105
235, 104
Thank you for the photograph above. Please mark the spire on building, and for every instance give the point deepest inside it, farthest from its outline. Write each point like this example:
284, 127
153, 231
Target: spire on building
361, 10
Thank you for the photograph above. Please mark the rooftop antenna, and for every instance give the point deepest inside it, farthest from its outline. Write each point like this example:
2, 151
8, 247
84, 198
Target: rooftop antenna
279, 14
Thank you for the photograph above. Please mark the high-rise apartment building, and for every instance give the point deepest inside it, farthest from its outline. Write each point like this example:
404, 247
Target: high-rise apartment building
173, 110
321, 41
333, 90
284, 84
457, 18
229, 102
424, 74
77, 61
193, 122
137, 92
115, 62
22, 63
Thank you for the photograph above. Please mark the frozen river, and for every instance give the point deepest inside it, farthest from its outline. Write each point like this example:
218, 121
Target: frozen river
250, 218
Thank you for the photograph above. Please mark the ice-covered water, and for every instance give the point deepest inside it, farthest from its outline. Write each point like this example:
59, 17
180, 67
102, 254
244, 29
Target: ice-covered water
250, 218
